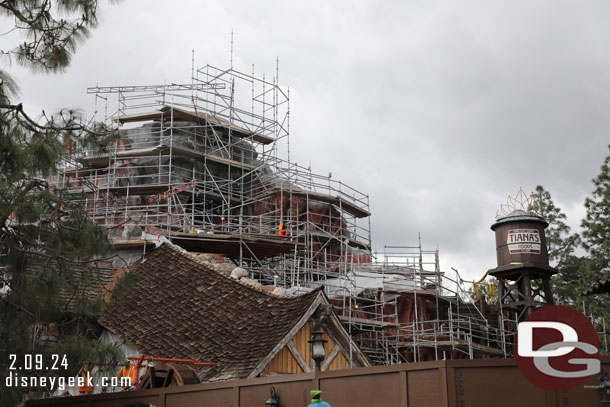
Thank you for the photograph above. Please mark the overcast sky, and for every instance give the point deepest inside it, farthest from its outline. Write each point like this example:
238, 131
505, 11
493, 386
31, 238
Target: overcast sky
437, 109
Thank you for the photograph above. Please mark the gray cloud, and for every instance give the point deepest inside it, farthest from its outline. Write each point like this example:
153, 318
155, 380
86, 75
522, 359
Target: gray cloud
438, 110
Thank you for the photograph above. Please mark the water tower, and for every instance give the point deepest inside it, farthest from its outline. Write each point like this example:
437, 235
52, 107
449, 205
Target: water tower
523, 270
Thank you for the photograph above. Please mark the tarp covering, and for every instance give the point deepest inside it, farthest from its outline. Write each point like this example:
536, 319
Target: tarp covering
356, 282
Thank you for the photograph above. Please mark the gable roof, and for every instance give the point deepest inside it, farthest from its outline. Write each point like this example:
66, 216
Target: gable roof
181, 308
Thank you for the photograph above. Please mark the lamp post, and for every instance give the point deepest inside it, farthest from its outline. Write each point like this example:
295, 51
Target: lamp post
317, 348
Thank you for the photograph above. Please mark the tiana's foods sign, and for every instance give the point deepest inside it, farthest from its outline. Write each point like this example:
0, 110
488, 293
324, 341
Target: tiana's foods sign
523, 241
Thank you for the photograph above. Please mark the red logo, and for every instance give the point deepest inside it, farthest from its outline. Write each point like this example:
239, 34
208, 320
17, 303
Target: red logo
557, 348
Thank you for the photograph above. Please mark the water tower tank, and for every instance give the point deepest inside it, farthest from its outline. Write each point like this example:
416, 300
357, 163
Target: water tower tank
520, 238
523, 270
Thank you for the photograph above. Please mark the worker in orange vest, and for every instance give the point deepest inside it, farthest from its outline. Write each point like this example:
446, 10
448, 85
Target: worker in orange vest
85, 385
281, 230
127, 371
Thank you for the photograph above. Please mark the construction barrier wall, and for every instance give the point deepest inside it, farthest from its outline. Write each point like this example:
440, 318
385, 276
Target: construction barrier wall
449, 383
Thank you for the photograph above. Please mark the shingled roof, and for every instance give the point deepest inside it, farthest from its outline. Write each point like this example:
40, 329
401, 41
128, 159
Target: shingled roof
85, 280
181, 308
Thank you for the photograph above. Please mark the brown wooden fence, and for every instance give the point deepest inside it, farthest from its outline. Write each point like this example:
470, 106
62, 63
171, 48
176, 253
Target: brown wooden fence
451, 383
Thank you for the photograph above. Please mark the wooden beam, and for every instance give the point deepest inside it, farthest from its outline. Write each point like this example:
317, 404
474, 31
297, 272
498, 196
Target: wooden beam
364, 321
331, 356
298, 357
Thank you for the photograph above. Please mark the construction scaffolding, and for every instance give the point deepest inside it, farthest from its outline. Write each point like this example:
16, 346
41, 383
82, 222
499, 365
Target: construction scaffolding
207, 166
402, 308
206, 173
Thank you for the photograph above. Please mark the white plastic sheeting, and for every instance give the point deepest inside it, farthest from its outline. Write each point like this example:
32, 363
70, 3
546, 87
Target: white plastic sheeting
354, 283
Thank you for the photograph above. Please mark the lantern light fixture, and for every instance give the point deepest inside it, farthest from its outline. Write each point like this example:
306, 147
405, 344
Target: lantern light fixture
317, 348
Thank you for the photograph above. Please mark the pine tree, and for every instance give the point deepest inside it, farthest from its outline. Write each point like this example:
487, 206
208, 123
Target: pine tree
560, 243
44, 237
560, 246
575, 273
596, 224
596, 241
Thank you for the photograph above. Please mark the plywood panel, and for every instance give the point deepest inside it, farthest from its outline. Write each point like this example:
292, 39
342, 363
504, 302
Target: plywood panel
424, 388
485, 386
367, 390
154, 400
216, 398
291, 394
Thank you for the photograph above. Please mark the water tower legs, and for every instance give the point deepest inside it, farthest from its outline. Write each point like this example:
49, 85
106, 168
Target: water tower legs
523, 294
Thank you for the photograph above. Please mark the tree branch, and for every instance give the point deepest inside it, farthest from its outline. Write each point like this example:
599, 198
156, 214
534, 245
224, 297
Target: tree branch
18, 308
83, 128
8, 5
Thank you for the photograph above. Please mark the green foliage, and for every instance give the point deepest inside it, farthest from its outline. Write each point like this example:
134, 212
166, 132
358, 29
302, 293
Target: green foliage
576, 274
596, 224
8, 88
560, 243
46, 240
566, 285
596, 240
52, 30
